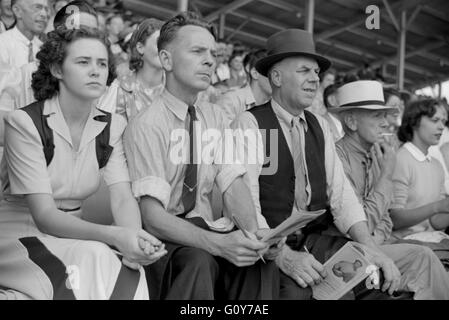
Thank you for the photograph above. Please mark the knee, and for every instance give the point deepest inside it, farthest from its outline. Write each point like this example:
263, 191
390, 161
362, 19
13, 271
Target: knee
97, 251
196, 261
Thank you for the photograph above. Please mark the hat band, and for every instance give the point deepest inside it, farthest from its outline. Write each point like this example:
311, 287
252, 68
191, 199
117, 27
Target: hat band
363, 103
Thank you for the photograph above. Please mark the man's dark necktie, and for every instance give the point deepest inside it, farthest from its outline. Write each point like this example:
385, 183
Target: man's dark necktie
190, 179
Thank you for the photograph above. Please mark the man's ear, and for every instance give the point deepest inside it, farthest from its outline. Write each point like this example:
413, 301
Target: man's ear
276, 77
254, 74
56, 71
166, 59
350, 120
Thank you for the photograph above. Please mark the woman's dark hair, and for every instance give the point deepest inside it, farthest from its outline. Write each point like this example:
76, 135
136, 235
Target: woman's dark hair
144, 30
171, 27
53, 53
413, 113
65, 12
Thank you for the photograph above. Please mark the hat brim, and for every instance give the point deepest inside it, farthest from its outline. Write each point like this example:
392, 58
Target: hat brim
264, 64
367, 107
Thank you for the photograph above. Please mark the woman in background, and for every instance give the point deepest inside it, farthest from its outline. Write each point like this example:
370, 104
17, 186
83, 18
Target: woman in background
146, 81
419, 203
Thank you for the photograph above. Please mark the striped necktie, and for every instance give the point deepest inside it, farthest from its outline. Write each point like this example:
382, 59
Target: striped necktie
190, 179
300, 172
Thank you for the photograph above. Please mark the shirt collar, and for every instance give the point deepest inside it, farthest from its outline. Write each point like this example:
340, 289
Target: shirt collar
249, 96
57, 122
286, 117
416, 153
355, 146
18, 35
178, 107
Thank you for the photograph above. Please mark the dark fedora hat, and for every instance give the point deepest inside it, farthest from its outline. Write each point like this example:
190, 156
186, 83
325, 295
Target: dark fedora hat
290, 43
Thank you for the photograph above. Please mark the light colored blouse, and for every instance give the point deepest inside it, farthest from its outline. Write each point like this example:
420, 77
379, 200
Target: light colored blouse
73, 175
418, 180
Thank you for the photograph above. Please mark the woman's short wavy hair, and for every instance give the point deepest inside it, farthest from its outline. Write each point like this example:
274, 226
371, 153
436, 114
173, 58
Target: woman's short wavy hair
413, 113
53, 53
143, 31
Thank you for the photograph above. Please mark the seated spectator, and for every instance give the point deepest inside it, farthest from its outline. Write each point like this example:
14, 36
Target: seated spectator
330, 101
419, 201
441, 151
327, 78
137, 90
258, 90
19, 46
7, 20
222, 70
368, 162
394, 116
114, 26
237, 75
74, 15
207, 257
42, 235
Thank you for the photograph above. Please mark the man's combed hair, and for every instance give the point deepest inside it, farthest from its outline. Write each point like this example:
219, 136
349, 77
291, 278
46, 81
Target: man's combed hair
171, 27
53, 53
413, 113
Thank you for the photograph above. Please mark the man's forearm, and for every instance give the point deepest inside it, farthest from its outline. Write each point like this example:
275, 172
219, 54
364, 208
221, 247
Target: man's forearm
359, 232
169, 227
239, 202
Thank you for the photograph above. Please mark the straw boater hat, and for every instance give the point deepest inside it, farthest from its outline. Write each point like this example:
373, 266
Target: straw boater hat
289, 43
362, 94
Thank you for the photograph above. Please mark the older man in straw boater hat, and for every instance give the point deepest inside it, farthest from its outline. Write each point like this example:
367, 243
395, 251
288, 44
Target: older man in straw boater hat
302, 170
369, 161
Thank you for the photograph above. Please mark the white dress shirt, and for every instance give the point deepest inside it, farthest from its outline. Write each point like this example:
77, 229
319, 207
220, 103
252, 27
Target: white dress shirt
344, 204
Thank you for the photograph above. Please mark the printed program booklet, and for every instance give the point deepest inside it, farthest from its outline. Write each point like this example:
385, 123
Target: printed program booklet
345, 269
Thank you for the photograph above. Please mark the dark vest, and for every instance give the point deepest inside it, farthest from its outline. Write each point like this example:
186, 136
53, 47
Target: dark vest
277, 190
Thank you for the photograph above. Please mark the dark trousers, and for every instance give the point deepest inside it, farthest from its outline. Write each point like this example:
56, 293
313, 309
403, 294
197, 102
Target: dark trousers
187, 273
322, 247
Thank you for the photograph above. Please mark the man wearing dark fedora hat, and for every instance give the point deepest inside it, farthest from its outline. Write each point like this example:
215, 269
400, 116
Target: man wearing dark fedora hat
309, 174
369, 161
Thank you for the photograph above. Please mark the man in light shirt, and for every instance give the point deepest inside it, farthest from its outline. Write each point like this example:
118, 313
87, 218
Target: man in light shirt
256, 92
207, 258
369, 161
19, 47
304, 171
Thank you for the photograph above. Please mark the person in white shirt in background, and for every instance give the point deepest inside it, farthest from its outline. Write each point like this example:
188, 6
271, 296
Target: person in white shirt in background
7, 20
326, 79
19, 47
257, 92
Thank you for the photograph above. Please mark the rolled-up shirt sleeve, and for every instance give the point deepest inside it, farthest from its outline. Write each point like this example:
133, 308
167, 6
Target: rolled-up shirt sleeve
25, 160
249, 151
345, 206
228, 166
144, 146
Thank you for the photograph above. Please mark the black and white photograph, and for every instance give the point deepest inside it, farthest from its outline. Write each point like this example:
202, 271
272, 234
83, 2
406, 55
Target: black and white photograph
152, 149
